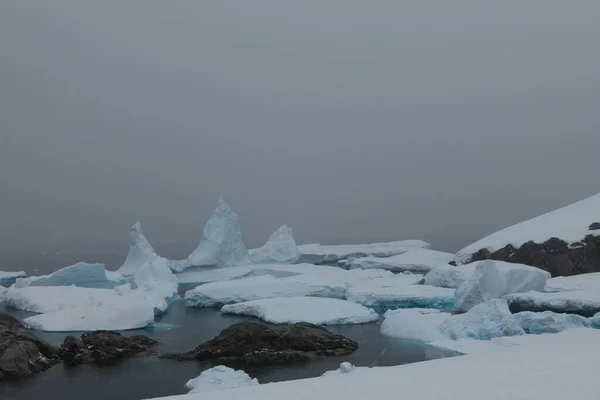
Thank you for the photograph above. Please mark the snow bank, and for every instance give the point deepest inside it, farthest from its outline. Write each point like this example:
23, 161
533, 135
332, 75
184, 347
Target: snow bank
399, 292
550, 367
281, 248
449, 276
140, 251
549, 322
221, 244
8, 278
414, 324
417, 260
581, 302
575, 282
220, 377
569, 223
321, 254
81, 274
494, 279
123, 317
318, 311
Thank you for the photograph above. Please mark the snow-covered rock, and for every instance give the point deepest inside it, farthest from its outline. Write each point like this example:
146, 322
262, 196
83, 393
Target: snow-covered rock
140, 251
399, 291
449, 276
221, 244
314, 310
8, 278
220, 377
80, 274
115, 318
329, 254
280, 248
582, 302
418, 261
484, 321
414, 324
494, 279
549, 322
575, 282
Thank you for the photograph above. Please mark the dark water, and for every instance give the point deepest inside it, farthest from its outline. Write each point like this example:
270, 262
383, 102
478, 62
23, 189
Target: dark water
183, 329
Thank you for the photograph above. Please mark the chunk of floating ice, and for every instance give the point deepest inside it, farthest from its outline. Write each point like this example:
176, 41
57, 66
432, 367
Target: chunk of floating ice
417, 260
280, 248
549, 322
80, 274
140, 251
582, 302
220, 377
449, 276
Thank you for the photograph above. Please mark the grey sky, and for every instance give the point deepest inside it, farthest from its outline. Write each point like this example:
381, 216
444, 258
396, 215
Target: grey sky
351, 121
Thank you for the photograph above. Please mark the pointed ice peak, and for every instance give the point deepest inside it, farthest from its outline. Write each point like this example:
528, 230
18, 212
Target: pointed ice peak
280, 248
140, 251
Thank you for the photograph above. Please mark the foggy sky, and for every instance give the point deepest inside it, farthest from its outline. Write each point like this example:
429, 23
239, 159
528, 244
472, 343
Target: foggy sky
350, 121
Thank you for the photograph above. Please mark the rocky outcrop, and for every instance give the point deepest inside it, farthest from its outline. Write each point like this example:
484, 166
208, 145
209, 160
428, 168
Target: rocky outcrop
554, 255
251, 343
103, 347
21, 353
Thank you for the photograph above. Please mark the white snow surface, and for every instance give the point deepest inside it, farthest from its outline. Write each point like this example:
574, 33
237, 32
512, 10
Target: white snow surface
345, 368
140, 251
473, 346
418, 260
280, 248
569, 223
221, 244
549, 367
315, 310
80, 274
449, 276
494, 279
575, 282
549, 322
117, 318
218, 378
8, 278
414, 325
321, 254
582, 302
399, 291
155, 283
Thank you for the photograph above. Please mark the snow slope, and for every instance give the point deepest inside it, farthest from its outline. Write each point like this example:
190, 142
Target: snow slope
280, 248
140, 251
419, 261
569, 223
218, 378
315, 310
80, 274
550, 367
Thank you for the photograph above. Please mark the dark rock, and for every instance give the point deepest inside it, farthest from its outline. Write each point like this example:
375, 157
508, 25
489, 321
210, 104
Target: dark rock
21, 353
102, 347
252, 343
554, 255
453, 263
594, 226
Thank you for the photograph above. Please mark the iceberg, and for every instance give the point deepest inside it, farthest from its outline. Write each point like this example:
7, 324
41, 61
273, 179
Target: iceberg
399, 292
418, 261
155, 283
221, 244
549, 322
414, 324
281, 248
81, 274
331, 254
140, 251
575, 282
8, 278
314, 310
581, 302
123, 317
484, 321
449, 276
220, 377
494, 279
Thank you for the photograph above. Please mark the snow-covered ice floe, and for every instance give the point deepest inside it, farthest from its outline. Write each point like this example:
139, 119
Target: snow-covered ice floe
449, 276
570, 223
218, 378
314, 310
575, 282
399, 291
550, 322
280, 248
418, 261
548, 367
328, 254
8, 278
81, 274
582, 302
221, 244
494, 279
140, 251
414, 324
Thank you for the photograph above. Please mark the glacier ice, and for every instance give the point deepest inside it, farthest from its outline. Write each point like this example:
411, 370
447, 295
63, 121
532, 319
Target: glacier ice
582, 302
449, 276
280, 248
484, 321
414, 324
549, 322
415, 260
314, 310
221, 244
81, 274
140, 251
8, 278
494, 279
220, 377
